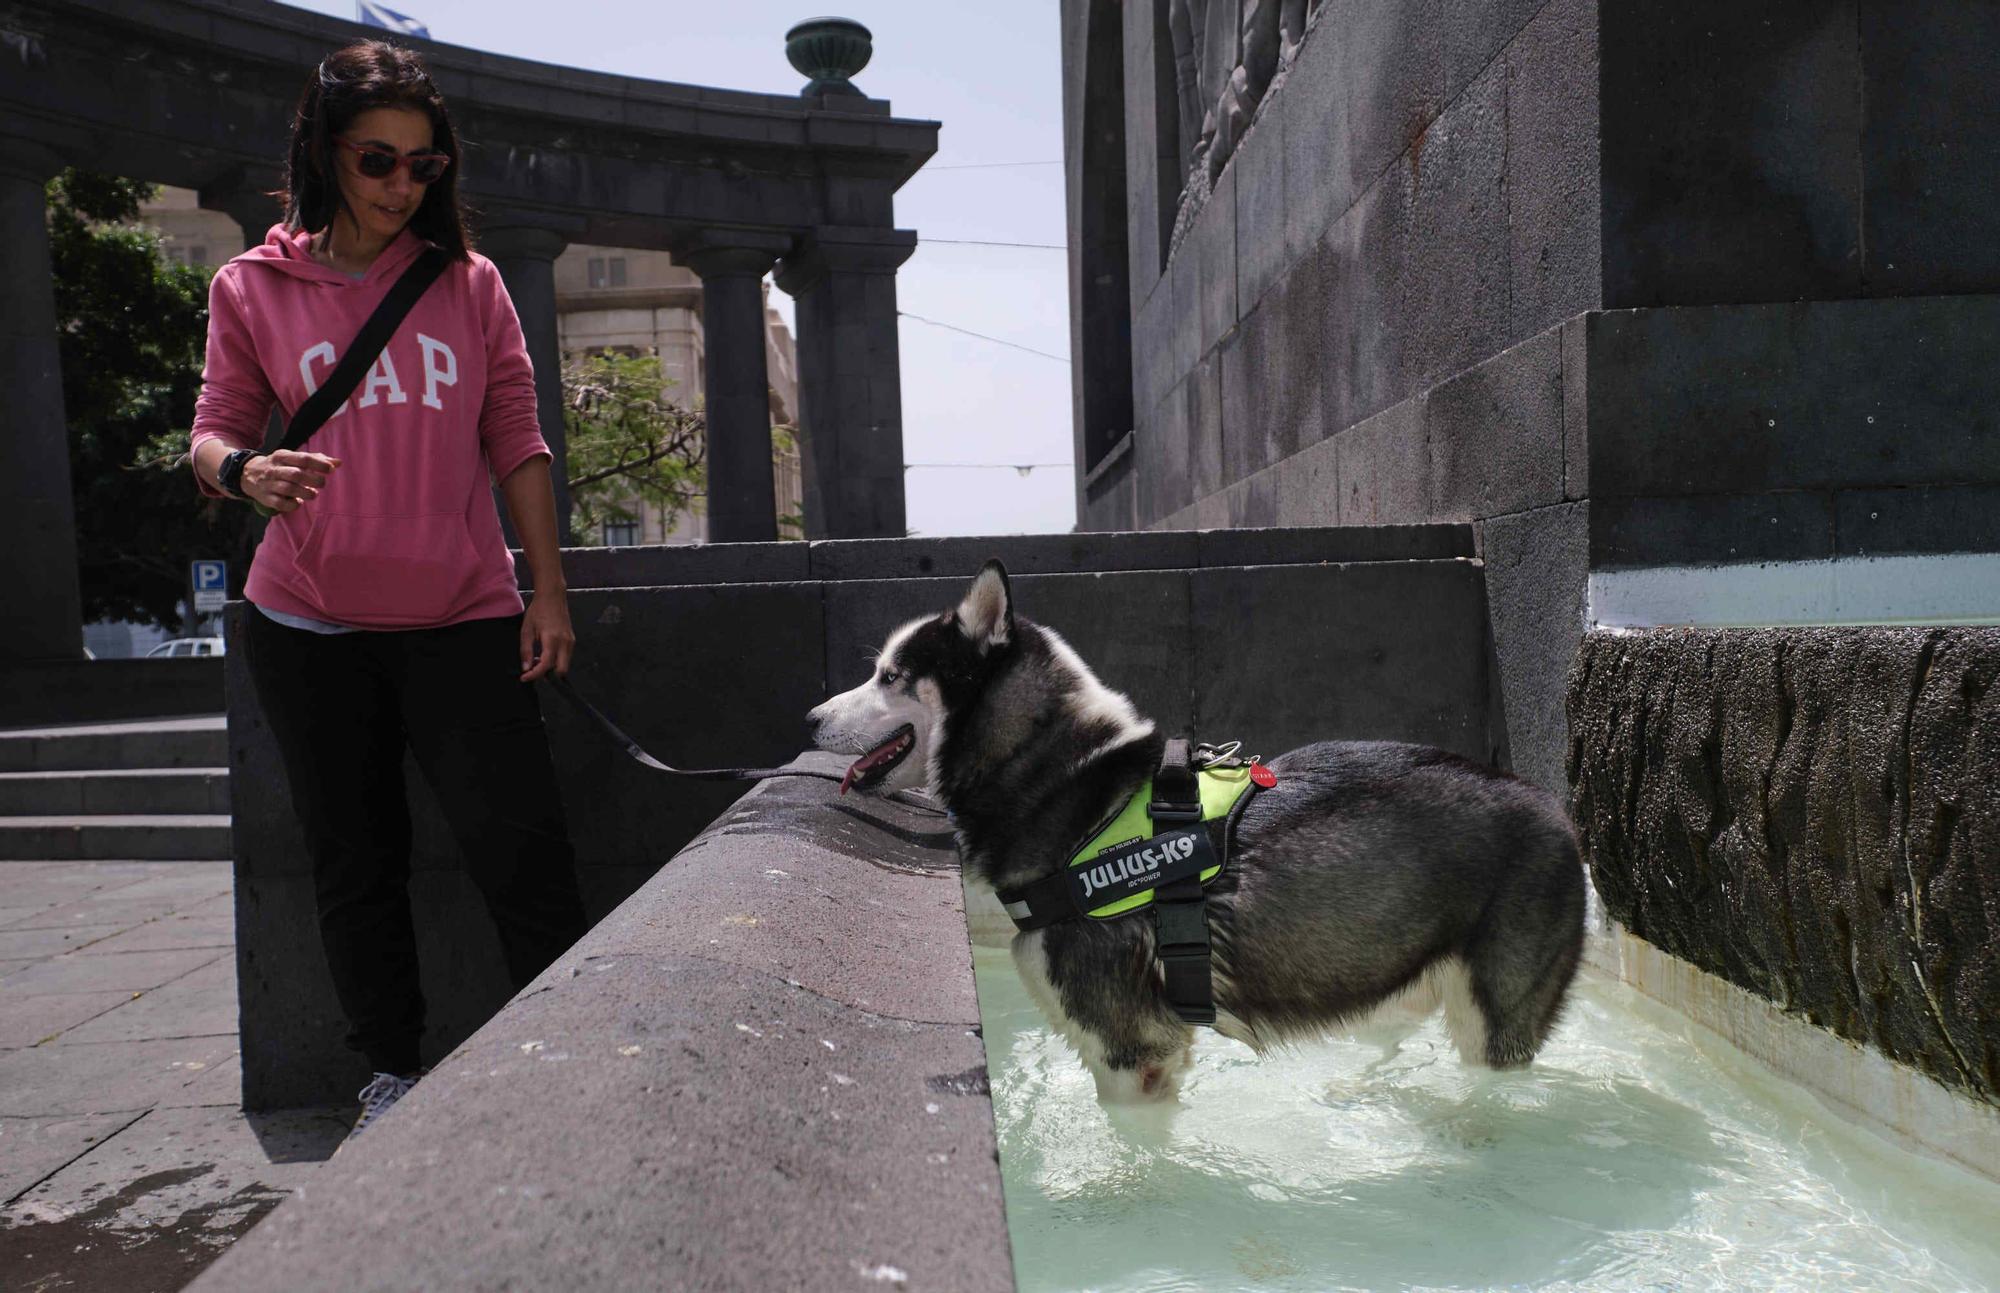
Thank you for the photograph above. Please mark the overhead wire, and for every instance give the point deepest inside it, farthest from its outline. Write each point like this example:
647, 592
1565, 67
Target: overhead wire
1019, 468
998, 341
977, 242
984, 166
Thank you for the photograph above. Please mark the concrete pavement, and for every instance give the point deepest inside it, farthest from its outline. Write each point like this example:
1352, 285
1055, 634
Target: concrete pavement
126, 1163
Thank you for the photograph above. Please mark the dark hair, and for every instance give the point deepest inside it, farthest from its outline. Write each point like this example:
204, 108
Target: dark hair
350, 81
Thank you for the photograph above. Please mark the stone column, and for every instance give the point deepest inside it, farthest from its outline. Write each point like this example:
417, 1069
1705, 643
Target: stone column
244, 196
526, 258
732, 265
37, 516
850, 379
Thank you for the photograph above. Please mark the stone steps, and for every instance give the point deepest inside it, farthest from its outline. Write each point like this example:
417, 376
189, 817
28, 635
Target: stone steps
152, 791
149, 837
160, 743
133, 790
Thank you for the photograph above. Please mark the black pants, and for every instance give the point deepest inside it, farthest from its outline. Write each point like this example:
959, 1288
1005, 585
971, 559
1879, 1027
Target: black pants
343, 708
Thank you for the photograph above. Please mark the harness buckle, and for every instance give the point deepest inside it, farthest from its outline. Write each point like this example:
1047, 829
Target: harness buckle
1227, 755
1175, 814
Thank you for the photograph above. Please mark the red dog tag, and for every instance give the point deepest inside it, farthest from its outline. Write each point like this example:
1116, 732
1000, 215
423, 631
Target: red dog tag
1263, 776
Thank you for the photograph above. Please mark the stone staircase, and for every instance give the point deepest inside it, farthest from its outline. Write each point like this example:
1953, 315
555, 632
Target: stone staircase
153, 790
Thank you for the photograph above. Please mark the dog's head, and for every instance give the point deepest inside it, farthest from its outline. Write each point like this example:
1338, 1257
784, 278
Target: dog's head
894, 720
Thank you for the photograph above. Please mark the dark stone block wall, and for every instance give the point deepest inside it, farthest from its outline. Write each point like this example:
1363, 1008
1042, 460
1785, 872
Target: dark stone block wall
1813, 814
35, 692
1419, 194
1797, 149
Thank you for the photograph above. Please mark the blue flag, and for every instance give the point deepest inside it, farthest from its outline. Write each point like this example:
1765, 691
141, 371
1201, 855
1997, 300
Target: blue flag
375, 15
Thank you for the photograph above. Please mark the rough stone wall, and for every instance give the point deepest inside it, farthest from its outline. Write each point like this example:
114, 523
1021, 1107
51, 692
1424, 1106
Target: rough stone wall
1813, 814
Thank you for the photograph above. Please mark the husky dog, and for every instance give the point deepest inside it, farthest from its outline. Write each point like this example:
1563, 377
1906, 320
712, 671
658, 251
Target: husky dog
1372, 875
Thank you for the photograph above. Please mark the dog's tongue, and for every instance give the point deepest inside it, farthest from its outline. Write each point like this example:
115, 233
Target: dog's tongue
869, 760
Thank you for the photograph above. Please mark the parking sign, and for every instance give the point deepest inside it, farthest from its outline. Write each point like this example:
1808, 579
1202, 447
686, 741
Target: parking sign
211, 584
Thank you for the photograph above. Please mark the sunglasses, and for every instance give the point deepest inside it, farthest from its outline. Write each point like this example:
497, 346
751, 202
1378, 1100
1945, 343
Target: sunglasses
380, 164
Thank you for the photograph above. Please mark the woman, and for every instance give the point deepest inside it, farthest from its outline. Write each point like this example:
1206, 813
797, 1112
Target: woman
384, 608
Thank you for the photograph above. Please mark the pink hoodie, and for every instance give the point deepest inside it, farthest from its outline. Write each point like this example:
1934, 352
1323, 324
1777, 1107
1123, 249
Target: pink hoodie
405, 534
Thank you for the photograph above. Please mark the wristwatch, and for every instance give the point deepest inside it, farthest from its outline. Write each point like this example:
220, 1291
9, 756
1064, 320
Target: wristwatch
229, 476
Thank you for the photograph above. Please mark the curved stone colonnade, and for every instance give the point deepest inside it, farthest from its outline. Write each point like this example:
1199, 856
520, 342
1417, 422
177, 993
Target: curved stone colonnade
199, 94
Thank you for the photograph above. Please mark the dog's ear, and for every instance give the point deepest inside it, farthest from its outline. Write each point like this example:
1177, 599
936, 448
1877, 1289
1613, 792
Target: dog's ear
987, 613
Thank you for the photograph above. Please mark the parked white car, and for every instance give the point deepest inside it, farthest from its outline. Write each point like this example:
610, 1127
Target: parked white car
187, 647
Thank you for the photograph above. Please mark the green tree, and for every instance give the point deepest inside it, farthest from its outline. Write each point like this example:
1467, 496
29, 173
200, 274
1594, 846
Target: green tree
131, 330
627, 444
630, 444
784, 439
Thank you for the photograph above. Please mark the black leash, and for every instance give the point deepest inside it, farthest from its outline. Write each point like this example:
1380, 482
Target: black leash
632, 747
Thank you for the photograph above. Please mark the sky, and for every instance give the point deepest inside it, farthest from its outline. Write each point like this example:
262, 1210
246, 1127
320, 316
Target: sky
991, 75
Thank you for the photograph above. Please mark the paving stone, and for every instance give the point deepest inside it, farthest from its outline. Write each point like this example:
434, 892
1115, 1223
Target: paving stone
168, 933
32, 1148
18, 944
201, 1004
277, 1150
152, 1205
221, 1086
103, 911
47, 883
26, 1020
195, 881
223, 904
17, 867
133, 971
105, 1077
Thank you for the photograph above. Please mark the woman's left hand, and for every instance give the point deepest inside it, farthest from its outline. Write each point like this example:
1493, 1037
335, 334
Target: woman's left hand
547, 641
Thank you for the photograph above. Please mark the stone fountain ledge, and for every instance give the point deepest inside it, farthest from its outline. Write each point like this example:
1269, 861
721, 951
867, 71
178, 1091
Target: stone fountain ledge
762, 1071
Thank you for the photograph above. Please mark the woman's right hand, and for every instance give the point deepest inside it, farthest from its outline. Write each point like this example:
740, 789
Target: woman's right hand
288, 479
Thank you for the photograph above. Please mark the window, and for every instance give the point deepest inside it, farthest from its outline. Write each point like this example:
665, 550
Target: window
617, 271
597, 271
1104, 302
198, 254
621, 534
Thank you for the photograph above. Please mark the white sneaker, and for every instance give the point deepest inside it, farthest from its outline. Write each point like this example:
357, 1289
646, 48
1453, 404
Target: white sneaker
378, 1097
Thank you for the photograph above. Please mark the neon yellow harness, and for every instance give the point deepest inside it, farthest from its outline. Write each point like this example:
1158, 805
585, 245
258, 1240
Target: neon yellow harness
1220, 789
1157, 853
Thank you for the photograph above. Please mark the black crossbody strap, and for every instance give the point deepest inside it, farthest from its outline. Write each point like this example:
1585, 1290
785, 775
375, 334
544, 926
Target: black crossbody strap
367, 344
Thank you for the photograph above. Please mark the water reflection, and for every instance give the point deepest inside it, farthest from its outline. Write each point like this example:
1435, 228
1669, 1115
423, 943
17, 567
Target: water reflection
1626, 1158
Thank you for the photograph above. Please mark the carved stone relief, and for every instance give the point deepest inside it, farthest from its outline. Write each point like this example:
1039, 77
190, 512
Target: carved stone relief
1228, 57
